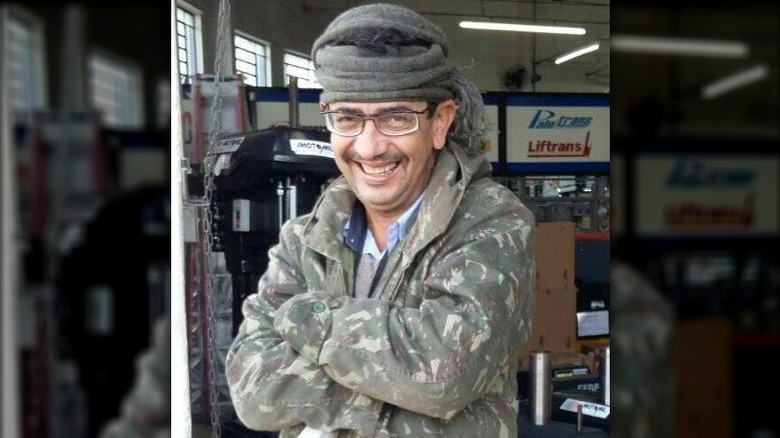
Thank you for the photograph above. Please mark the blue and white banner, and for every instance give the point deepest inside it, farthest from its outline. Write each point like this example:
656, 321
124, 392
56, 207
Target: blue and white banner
689, 195
558, 129
559, 133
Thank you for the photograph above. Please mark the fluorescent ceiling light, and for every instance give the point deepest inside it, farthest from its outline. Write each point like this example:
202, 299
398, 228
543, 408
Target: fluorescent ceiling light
491, 25
678, 46
732, 82
577, 52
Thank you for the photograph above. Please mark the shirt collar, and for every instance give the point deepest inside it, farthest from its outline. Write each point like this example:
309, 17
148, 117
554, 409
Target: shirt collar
359, 238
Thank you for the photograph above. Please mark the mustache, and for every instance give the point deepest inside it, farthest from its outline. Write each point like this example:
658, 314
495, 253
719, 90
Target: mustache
386, 157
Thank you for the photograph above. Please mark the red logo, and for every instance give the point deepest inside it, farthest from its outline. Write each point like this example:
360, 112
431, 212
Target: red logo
548, 148
692, 214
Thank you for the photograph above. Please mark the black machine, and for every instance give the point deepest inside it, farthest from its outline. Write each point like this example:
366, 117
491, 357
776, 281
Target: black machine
263, 178
111, 290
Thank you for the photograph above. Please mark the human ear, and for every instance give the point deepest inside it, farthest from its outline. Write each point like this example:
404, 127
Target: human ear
442, 120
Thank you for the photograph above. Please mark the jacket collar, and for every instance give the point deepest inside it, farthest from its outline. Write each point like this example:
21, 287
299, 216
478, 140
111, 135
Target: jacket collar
451, 175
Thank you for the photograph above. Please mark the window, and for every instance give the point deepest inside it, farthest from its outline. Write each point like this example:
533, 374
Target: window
188, 44
163, 103
302, 68
25, 65
115, 90
252, 61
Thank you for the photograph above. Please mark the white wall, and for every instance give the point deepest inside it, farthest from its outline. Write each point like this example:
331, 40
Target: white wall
294, 24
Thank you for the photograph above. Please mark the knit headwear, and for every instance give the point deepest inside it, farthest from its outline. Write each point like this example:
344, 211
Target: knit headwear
416, 69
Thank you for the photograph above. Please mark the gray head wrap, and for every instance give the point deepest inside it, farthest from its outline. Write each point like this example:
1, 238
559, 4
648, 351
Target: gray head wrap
410, 72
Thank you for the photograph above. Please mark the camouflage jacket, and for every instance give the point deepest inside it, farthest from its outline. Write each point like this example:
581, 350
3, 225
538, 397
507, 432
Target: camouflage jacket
434, 353
642, 326
146, 411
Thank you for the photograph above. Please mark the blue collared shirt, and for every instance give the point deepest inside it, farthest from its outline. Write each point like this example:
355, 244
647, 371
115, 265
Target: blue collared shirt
395, 233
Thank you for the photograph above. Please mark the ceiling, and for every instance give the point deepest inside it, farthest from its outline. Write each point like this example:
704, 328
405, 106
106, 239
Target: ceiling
490, 54
657, 94
661, 95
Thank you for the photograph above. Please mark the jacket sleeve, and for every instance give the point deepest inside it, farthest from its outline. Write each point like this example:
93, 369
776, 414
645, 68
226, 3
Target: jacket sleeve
146, 411
271, 385
436, 358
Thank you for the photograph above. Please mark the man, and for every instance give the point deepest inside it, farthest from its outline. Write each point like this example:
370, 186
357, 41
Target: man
398, 305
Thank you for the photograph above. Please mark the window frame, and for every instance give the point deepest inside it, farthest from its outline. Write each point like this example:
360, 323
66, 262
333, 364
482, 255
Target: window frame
197, 16
162, 106
135, 72
39, 74
266, 45
311, 69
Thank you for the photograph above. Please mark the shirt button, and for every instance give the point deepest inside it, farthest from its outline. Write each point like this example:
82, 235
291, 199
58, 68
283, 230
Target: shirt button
319, 307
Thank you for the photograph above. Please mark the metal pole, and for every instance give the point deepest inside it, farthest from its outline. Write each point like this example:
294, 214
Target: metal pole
281, 208
606, 376
67, 119
292, 198
293, 91
541, 387
73, 94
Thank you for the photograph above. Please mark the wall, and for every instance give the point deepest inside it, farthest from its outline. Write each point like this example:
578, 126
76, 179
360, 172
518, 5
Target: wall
294, 25
125, 38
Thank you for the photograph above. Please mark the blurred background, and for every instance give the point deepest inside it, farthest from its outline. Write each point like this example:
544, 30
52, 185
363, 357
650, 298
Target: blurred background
693, 186
695, 190
86, 208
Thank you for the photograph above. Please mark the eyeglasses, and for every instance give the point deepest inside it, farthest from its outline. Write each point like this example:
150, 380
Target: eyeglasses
393, 123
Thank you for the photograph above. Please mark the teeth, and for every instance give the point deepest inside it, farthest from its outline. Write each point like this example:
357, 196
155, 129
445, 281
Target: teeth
380, 170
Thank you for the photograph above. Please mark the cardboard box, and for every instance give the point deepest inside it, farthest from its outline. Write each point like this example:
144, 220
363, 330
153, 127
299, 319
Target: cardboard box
554, 255
554, 320
702, 360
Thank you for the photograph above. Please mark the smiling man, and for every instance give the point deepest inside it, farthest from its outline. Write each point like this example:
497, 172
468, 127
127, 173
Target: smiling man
398, 306
387, 163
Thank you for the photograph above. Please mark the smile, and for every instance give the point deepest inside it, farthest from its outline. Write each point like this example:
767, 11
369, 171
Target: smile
379, 171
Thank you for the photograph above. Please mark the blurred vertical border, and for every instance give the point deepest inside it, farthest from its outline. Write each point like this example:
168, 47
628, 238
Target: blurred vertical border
695, 191
85, 99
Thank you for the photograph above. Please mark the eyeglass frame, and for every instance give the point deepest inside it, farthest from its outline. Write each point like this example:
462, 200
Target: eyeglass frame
430, 109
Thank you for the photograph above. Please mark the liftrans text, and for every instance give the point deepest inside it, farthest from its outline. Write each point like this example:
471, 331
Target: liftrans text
549, 148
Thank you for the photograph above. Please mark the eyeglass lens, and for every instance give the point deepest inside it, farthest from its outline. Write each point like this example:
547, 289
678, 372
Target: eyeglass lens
391, 123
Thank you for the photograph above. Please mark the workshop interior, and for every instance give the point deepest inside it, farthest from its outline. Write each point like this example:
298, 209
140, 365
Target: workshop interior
653, 147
